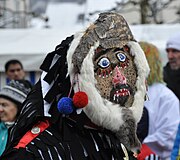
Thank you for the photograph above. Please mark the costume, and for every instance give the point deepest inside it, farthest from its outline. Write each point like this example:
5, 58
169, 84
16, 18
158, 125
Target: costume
172, 78
163, 109
88, 100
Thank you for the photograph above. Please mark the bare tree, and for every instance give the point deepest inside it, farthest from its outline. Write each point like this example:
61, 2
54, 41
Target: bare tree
150, 10
144, 7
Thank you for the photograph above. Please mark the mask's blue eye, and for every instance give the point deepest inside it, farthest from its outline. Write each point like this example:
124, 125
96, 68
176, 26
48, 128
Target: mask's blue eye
104, 62
121, 57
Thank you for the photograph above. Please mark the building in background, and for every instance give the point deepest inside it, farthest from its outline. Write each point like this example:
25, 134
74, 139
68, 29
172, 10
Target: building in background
24, 13
18, 13
14, 13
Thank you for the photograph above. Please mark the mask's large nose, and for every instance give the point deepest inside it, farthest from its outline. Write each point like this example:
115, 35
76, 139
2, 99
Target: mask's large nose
118, 77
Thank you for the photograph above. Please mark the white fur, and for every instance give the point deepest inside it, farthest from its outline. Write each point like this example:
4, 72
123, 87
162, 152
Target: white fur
143, 71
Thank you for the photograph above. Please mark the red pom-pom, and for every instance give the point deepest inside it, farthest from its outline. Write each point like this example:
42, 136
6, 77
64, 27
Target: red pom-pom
80, 99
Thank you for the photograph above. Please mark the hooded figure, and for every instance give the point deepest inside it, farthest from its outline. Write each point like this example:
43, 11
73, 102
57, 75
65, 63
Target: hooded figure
88, 100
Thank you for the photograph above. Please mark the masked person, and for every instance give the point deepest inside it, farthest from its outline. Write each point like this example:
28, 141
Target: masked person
88, 100
11, 99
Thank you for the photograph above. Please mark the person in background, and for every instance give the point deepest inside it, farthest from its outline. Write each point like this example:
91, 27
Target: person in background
162, 106
172, 69
11, 98
14, 71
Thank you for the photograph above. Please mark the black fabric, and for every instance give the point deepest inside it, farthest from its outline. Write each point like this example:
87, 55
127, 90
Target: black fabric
143, 126
58, 72
172, 79
47, 61
45, 66
70, 142
58, 89
65, 42
52, 73
105, 152
27, 83
19, 154
32, 109
60, 66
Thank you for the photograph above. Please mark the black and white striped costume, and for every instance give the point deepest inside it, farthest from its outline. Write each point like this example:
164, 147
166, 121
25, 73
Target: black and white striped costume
66, 138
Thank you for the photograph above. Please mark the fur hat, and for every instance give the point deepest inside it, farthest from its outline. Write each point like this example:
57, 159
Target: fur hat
15, 91
174, 42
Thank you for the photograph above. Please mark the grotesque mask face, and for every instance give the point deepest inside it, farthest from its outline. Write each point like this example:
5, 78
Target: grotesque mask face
115, 73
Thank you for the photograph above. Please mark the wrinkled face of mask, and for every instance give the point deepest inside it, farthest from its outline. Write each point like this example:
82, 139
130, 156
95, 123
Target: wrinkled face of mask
116, 75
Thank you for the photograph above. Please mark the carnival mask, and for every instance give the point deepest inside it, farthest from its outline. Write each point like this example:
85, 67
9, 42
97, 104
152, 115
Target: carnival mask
116, 74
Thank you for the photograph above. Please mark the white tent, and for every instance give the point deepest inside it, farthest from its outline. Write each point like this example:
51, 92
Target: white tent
156, 34
30, 46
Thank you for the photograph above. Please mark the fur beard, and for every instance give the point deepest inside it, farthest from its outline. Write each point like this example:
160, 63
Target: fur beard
120, 120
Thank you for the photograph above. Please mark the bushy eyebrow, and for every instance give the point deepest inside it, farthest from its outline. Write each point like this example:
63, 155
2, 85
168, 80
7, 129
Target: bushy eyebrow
118, 49
100, 53
104, 51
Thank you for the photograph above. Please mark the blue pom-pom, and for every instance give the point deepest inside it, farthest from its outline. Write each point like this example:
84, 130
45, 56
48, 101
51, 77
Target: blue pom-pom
65, 105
